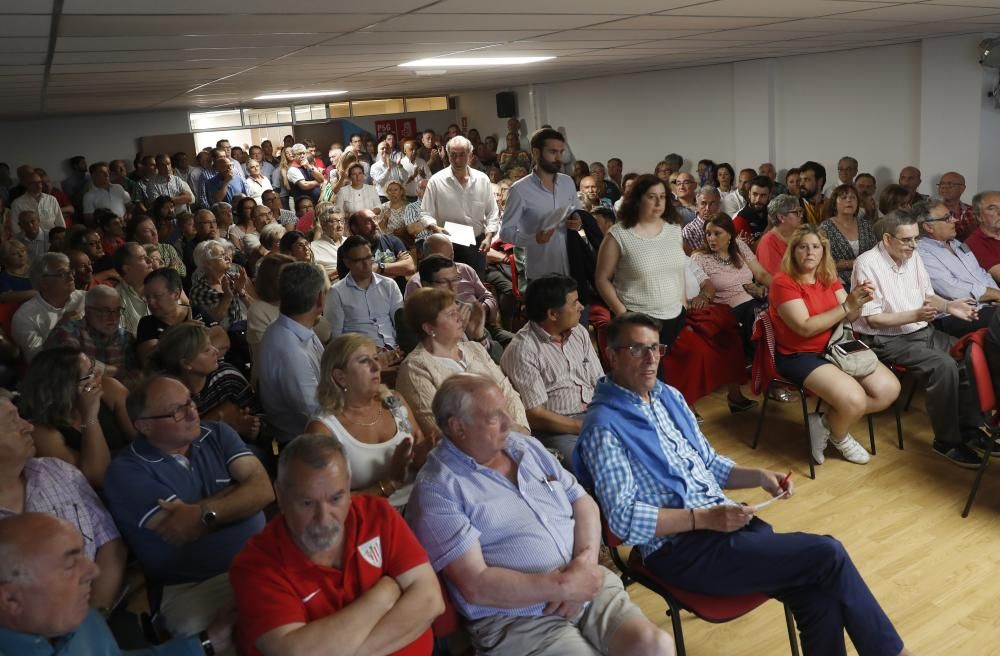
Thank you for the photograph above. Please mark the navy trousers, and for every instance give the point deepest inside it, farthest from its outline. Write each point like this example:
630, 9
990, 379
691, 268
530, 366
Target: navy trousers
813, 574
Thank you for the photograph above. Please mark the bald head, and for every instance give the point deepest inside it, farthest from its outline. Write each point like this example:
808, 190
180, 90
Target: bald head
20, 538
45, 575
909, 177
438, 244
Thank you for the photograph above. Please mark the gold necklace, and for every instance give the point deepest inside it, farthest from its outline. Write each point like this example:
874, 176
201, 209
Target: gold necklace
378, 413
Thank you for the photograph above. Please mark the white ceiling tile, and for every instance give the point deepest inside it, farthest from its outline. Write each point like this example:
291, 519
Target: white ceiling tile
26, 44
442, 37
834, 25
125, 25
922, 12
264, 7
21, 58
178, 56
773, 8
994, 4
20, 25
423, 22
684, 23
535, 7
21, 7
20, 70
105, 43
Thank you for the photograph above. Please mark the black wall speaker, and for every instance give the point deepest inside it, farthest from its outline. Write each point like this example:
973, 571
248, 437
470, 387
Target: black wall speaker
506, 104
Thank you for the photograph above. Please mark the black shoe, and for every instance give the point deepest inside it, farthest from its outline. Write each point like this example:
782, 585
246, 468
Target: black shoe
745, 405
978, 442
960, 455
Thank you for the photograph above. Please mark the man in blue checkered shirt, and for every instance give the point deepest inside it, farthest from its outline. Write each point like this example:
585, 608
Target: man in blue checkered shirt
661, 486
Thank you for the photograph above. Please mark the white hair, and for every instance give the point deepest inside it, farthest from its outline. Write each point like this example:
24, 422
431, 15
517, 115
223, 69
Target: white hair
459, 142
98, 292
203, 251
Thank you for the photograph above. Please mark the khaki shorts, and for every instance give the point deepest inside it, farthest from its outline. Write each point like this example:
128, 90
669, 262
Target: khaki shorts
551, 635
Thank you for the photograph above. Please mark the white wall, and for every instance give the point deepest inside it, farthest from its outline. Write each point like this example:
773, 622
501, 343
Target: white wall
48, 142
862, 103
480, 109
920, 103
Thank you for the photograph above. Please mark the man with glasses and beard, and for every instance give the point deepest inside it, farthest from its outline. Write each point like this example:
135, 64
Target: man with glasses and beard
332, 568
534, 196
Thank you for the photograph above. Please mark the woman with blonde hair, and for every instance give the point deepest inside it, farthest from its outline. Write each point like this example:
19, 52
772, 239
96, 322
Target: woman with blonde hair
383, 444
808, 302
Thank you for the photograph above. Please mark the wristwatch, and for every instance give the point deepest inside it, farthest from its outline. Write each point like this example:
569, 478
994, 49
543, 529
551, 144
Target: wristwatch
381, 268
206, 644
209, 517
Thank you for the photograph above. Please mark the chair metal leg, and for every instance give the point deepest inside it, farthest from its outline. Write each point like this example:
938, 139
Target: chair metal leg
792, 638
805, 423
899, 423
763, 409
871, 433
909, 398
979, 475
675, 620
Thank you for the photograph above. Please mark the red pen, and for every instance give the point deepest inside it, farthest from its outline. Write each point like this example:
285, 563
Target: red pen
784, 482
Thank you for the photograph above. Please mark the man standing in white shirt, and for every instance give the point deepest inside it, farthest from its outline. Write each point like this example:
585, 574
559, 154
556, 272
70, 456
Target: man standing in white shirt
35, 200
387, 169
415, 167
103, 193
461, 194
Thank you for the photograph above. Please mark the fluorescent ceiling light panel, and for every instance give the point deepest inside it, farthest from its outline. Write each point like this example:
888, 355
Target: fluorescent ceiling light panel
474, 61
304, 94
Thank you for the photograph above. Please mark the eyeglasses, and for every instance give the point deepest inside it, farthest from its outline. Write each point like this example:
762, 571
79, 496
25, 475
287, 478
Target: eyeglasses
794, 212
684, 183
949, 217
951, 184
909, 241
179, 414
65, 275
451, 282
360, 259
109, 313
640, 350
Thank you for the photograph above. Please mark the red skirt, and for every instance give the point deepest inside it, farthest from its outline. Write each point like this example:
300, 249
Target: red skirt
707, 354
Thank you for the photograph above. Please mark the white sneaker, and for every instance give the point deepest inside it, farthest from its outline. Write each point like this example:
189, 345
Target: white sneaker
851, 450
818, 437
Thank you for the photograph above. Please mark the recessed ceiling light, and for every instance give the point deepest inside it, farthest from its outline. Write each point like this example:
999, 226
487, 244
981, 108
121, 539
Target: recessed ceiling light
474, 61
303, 94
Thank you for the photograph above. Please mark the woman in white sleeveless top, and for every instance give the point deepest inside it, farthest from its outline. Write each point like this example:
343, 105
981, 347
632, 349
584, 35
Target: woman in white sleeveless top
382, 441
641, 268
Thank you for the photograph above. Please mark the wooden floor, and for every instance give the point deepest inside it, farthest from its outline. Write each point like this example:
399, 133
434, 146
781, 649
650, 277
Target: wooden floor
934, 573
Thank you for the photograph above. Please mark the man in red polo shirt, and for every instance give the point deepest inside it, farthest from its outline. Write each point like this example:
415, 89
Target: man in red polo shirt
985, 240
332, 570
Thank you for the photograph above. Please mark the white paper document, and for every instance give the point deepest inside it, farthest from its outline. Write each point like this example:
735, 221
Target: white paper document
554, 218
765, 504
460, 234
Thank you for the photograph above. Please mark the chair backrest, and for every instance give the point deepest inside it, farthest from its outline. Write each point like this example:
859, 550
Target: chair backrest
7, 311
763, 370
981, 374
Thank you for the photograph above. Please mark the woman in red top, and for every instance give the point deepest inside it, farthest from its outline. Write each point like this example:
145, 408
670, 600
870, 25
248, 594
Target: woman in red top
807, 303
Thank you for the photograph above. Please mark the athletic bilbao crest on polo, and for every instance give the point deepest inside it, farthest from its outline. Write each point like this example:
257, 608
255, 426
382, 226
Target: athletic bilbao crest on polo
371, 551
